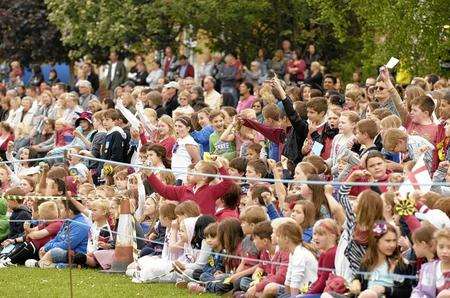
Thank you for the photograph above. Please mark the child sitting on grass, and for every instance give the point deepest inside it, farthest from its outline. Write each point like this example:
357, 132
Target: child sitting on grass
302, 268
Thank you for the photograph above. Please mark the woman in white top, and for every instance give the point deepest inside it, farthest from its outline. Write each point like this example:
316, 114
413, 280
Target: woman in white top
15, 112
73, 110
155, 75
184, 109
185, 151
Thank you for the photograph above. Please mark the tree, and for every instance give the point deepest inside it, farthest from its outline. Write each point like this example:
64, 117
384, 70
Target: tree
245, 26
94, 27
411, 30
27, 35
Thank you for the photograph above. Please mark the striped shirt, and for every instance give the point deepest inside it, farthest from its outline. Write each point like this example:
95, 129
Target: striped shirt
354, 251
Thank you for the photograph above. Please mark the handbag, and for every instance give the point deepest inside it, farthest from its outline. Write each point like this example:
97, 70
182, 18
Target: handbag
336, 284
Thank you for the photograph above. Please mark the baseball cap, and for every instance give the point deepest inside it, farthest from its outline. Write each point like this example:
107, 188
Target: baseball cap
172, 84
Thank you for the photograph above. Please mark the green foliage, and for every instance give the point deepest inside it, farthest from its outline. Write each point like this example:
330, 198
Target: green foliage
348, 33
27, 35
91, 26
245, 26
411, 30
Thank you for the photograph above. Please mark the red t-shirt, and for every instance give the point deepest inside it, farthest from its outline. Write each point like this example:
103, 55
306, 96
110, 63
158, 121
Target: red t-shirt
52, 228
428, 131
168, 144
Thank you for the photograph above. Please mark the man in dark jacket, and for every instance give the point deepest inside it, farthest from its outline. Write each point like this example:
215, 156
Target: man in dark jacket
19, 215
170, 97
117, 73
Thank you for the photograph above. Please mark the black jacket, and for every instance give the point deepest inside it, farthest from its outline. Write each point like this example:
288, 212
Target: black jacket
400, 289
171, 105
114, 147
16, 228
296, 136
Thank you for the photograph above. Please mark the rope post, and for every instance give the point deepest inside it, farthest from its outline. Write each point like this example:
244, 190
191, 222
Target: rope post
69, 256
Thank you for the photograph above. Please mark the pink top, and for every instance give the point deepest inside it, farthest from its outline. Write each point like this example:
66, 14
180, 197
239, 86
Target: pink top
245, 104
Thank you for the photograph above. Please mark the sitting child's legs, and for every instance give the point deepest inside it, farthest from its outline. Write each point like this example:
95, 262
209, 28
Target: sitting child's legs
53, 256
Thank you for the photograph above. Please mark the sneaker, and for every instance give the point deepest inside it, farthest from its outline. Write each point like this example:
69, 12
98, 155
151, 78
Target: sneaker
31, 263
130, 272
195, 288
45, 265
7, 263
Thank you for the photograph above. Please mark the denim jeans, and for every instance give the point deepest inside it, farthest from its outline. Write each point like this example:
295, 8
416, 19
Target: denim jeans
59, 255
244, 283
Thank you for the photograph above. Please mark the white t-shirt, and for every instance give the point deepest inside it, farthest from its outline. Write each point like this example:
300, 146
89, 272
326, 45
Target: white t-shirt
213, 99
94, 236
113, 70
181, 158
302, 269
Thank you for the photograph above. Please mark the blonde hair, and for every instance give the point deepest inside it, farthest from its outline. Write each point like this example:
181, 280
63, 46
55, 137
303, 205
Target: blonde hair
103, 205
149, 113
391, 138
354, 94
48, 210
22, 130
60, 121
351, 115
281, 220
442, 233
327, 225
248, 113
391, 121
109, 190
316, 64
166, 119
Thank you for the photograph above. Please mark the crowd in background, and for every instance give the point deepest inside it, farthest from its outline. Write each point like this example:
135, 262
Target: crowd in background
265, 125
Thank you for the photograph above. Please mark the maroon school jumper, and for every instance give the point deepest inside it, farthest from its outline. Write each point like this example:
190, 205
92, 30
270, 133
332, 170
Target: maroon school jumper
226, 213
205, 196
326, 260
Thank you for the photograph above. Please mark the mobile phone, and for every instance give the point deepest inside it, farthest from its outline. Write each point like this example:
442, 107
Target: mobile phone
392, 63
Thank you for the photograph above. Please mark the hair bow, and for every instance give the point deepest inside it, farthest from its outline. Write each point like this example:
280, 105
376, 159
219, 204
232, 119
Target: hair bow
379, 229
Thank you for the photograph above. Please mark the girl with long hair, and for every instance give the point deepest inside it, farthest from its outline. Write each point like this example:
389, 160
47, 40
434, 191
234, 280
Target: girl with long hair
381, 260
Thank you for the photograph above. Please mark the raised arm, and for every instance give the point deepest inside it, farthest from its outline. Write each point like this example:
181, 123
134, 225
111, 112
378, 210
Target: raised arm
221, 188
169, 192
141, 198
228, 134
337, 210
276, 135
384, 72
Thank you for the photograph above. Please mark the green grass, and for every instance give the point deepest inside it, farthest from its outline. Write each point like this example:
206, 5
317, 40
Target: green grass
29, 282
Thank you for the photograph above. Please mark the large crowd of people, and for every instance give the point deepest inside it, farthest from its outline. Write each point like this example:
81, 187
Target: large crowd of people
276, 180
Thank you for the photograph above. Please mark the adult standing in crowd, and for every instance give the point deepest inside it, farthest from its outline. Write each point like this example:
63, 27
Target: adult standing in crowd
117, 73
